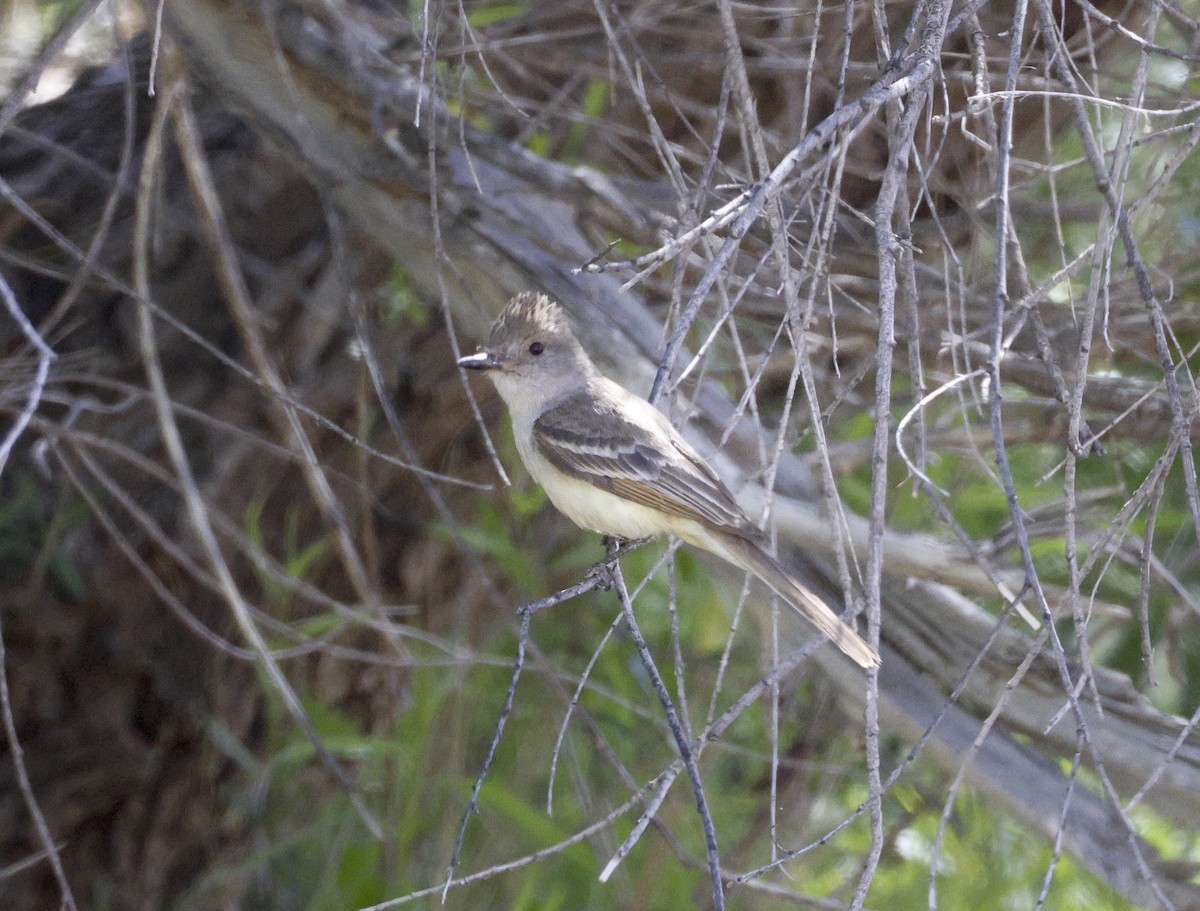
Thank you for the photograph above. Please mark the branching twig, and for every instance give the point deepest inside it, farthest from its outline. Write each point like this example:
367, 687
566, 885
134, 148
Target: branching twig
173, 441
592, 581
49, 847
682, 740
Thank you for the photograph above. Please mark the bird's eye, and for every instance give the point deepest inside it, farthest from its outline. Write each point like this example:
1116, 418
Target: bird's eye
536, 348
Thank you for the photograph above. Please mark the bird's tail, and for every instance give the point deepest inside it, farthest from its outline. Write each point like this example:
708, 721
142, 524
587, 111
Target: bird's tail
751, 557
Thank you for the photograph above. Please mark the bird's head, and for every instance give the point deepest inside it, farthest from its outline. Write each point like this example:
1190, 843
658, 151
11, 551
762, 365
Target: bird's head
532, 350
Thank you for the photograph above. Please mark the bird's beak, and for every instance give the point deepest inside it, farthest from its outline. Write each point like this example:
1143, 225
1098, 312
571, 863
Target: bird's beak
484, 360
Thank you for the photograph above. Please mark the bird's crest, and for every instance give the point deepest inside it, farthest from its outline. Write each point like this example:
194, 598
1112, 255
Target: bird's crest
529, 314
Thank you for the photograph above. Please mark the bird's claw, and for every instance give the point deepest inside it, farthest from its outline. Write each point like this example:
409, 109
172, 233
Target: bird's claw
614, 549
619, 547
602, 572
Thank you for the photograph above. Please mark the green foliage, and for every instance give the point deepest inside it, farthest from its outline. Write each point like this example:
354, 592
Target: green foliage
401, 304
419, 774
32, 533
592, 106
483, 16
539, 143
491, 533
55, 13
298, 560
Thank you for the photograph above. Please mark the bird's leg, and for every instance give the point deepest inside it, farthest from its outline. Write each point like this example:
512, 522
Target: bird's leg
614, 549
619, 547
603, 569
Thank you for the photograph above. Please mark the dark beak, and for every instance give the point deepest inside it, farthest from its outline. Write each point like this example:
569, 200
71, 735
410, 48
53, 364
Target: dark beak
484, 360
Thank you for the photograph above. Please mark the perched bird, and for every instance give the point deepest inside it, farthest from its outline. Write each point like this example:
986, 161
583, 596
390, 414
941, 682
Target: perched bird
612, 462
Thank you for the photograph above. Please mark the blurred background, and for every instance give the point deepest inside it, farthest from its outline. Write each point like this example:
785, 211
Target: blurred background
922, 282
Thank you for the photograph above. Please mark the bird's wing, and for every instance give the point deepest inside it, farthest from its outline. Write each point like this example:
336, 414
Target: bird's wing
631, 453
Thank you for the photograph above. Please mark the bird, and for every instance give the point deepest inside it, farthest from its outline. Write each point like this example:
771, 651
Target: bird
612, 463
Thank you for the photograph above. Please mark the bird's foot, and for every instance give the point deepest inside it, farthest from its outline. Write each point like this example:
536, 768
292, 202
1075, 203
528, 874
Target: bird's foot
619, 547
614, 549
602, 572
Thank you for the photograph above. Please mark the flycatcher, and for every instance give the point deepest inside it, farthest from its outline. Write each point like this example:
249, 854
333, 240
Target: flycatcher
612, 462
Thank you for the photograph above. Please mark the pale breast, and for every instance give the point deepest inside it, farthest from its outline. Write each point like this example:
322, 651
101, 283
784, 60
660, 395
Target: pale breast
598, 510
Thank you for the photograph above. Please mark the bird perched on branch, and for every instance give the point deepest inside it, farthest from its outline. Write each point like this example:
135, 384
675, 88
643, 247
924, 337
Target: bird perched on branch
612, 463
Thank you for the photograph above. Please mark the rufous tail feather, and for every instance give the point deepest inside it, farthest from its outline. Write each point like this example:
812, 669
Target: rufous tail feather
751, 557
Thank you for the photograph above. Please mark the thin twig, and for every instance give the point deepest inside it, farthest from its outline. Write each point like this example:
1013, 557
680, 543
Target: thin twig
237, 298
682, 739
173, 442
592, 581
49, 847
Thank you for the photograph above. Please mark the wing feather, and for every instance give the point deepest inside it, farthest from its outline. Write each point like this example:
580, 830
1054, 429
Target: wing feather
652, 466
